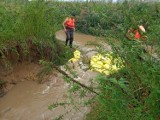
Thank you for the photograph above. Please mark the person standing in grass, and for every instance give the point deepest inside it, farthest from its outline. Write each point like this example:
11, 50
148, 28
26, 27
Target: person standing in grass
69, 28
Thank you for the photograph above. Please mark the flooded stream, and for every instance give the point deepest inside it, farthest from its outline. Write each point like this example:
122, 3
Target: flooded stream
28, 100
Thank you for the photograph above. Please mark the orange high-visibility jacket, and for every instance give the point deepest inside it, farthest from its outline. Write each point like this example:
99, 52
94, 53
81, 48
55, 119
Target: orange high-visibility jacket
137, 35
70, 23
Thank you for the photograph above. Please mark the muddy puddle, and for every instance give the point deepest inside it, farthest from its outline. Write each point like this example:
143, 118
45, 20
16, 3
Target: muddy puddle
29, 100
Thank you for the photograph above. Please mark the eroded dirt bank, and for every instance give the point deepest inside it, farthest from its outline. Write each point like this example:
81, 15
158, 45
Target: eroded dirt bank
28, 100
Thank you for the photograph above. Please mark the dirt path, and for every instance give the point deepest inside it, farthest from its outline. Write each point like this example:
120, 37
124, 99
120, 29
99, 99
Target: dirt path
81, 40
28, 100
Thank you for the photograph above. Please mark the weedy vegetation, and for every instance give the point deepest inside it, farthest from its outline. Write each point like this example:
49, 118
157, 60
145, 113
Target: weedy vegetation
28, 29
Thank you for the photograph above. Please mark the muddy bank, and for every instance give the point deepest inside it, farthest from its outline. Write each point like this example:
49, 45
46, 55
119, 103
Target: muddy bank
28, 100
19, 72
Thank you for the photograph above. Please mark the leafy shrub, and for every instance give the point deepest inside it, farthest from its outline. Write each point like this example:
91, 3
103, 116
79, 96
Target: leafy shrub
139, 98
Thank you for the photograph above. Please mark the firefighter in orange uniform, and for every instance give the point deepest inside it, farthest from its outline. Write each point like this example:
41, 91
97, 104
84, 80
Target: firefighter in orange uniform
136, 34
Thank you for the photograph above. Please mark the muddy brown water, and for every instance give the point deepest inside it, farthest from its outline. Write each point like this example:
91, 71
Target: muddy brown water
28, 100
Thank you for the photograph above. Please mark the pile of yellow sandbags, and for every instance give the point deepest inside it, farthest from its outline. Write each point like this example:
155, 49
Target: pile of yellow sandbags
105, 63
77, 55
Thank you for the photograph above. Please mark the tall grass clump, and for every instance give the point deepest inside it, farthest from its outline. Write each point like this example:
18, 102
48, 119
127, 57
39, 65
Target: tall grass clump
28, 30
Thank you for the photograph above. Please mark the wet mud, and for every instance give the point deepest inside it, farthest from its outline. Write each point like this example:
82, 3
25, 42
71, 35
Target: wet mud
29, 100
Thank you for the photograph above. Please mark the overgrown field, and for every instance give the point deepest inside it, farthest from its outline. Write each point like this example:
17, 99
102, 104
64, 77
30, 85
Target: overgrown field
133, 93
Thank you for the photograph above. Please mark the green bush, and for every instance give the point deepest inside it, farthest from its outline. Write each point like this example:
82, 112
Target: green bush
139, 99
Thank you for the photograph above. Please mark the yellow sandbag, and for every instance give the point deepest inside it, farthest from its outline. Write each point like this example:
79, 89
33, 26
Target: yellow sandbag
77, 54
115, 68
107, 61
99, 56
96, 66
73, 60
94, 59
103, 58
100, 63
92, 62
108, 55
106, 72
77, 51
106, 66
98, 70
